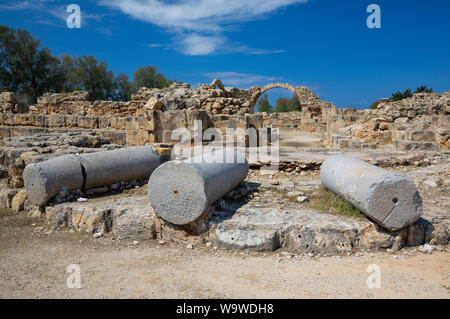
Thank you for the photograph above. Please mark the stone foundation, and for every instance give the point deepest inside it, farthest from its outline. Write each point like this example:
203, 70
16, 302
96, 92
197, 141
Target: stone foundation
299, 231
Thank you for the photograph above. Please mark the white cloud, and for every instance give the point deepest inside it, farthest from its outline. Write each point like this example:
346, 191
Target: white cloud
194, 21
197, 15
23, 5
248, 50
195, 44
242, 79
14, 6
154, 45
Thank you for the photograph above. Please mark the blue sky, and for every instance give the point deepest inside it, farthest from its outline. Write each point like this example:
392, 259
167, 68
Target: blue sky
322, 44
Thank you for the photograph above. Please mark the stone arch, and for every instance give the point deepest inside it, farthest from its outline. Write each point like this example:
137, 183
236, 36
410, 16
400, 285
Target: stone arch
305, 96
217, 83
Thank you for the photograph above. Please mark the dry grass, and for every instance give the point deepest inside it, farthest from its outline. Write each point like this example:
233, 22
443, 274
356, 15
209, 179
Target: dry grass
5, 212
22, 221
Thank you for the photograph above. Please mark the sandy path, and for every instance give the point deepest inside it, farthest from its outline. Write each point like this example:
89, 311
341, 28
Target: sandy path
34, 266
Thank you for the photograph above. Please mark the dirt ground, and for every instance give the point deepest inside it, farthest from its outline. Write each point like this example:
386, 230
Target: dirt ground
300, 139
34, 261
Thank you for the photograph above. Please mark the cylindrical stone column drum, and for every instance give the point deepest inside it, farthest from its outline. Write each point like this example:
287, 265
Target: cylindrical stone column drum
390, 199
181, 191
125, 164
45, 179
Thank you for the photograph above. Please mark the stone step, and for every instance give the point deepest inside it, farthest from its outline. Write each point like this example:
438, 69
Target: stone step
369, 146
403, 127
126, 217
414, 135
308, 231
415, 146
349, 143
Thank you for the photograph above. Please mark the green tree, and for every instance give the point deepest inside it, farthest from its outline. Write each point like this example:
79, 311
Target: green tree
288, 105
95, 78
109, 85
161, 82
26, 67
70, 77
295, 104
264, 105
282, 105
124, 88
7, 82
148, 76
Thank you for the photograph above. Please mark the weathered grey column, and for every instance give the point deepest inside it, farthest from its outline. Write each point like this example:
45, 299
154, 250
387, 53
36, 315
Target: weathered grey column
181, 191
125, 164
390, 199
45, 179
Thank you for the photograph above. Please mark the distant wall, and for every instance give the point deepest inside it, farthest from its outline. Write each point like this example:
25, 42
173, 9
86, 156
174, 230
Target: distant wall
418, 123
421, 122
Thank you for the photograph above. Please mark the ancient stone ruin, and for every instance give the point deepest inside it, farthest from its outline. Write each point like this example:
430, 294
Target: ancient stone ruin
85, 164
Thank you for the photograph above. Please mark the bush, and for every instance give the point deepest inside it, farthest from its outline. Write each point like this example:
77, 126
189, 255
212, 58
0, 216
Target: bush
374, 105
423, 89
397, 96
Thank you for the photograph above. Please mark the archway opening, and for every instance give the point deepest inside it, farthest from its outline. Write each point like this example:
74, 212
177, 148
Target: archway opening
277, 100
295, 133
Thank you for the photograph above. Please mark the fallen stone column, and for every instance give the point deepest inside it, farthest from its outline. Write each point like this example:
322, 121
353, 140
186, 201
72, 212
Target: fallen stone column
106, 168
181, 191
45, 179
390, 199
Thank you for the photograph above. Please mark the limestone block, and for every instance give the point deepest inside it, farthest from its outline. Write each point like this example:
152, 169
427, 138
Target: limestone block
6, 197
133, 223
18, 201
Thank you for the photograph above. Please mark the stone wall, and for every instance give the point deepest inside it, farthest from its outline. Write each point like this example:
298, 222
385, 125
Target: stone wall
421, 122
214, 98
13, 102
147, 128
417, 123
295, 120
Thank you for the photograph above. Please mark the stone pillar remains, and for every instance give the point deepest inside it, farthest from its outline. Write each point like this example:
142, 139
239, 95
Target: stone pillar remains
390, 199
45, 179
182, 191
